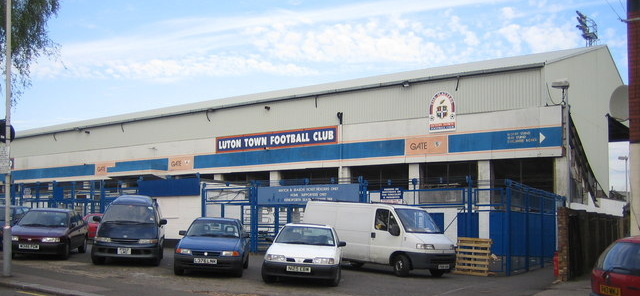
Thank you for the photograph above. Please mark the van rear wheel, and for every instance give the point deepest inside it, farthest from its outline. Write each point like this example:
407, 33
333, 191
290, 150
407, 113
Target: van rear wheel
401, 265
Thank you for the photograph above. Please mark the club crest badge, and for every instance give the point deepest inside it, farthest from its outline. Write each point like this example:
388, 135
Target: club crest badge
442, 113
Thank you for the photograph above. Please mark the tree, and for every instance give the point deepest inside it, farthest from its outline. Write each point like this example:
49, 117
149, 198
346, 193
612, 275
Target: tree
29, 39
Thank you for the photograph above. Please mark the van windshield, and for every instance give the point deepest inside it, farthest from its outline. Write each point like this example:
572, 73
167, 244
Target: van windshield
417, 221
129, 213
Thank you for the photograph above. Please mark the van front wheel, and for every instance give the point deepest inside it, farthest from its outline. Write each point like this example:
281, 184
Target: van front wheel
401, 265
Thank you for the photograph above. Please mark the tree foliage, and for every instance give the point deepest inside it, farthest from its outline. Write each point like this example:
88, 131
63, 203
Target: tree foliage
29, 38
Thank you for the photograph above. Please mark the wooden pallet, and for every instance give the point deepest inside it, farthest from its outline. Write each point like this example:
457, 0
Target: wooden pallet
473, 256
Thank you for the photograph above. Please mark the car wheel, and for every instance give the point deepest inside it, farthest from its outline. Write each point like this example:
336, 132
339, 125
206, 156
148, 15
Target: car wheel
83, 248
246, 263
238, 273
155, 261
97, 260
336, 280
355, 264
66, 251
268, 278
401, 265
436, 273
177, 270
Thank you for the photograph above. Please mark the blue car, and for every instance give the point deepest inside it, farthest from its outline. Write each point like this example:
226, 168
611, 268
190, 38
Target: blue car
213, 244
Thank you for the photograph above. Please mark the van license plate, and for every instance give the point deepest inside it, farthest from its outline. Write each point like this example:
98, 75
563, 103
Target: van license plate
29, 246
607, 290
443, 266
124, 251
305, 269
205, 261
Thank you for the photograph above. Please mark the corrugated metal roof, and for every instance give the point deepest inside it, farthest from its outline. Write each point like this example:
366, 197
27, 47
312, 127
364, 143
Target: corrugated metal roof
474, 68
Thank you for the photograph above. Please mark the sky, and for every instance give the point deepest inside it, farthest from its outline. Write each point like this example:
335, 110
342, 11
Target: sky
121, 56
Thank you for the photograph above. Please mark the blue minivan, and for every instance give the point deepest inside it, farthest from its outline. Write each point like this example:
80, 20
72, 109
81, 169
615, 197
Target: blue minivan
131, 228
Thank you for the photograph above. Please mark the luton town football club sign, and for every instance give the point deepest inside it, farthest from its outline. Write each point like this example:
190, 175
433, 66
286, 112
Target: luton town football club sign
442, 113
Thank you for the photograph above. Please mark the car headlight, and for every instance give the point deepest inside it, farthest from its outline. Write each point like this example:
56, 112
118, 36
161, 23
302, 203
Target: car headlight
15, 238
320, 260
102, 239
274, 257
147, 241
183, 251
50, 239
425, 246
230, 253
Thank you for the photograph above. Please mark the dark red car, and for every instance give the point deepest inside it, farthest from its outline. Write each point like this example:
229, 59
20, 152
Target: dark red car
93, 225
617, 271
49, 231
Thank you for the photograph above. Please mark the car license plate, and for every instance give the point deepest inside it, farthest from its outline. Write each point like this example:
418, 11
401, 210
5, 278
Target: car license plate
124, 251
29, 246
443, 266
305, 269
608, 290
205, 261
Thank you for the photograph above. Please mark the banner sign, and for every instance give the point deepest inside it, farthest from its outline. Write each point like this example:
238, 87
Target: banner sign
302, 194
281, 139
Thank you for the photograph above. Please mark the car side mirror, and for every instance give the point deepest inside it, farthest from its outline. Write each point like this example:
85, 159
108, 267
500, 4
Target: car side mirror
96, 218
342, 244
394, 230
182, 232
269, 239
245, 235
163, 222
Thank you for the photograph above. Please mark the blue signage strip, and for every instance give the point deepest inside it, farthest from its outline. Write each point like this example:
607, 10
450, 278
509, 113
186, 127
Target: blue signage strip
281, 195
505, 140
292, 138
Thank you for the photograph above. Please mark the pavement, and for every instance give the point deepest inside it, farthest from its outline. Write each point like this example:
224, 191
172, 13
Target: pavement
56, 287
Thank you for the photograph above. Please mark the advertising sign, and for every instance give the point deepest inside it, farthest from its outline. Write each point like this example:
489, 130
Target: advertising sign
280, 139
302, 194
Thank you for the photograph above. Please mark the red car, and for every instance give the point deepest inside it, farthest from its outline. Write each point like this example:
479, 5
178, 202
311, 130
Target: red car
617, 271
93, 225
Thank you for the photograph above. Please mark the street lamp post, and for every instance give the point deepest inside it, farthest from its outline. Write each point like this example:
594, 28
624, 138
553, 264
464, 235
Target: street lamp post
564, 85
626, 178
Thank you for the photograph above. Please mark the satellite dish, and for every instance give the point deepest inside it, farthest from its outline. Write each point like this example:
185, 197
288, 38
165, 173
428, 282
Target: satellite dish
619, 103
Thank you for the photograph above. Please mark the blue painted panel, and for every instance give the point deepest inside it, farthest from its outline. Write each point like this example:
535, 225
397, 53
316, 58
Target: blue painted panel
170, 187
502, 140
161, 164
59, 172
439, 219
497, 233
462, 226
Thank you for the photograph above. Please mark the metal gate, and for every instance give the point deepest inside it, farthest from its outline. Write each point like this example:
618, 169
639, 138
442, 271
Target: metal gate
520, 220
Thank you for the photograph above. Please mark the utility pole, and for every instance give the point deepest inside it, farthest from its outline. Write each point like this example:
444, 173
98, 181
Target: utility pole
633, 42
6, 159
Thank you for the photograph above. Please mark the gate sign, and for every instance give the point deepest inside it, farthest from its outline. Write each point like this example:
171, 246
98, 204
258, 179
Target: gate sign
391, 195
299, 195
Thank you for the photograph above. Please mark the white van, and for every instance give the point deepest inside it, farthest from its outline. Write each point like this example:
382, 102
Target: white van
405, 237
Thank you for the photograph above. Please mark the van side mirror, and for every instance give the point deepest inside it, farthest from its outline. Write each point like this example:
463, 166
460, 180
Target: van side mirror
182, 232
394, 230
163, 221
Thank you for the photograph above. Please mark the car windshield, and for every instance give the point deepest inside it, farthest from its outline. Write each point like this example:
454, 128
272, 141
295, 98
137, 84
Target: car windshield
306, 236
42, 218
129, 214
417, 221
214, 229
621, 257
